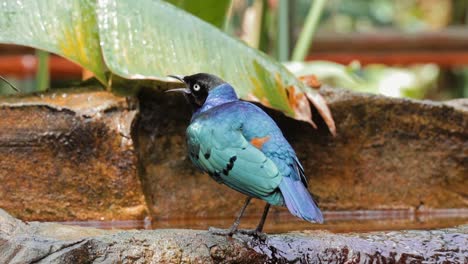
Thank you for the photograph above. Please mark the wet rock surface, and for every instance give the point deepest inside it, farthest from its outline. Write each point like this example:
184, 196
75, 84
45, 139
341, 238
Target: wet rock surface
35, 242
388, 154
69, 155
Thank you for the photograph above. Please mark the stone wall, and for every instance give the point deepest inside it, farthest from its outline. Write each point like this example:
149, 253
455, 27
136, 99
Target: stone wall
388, 153
69, 156
91, 155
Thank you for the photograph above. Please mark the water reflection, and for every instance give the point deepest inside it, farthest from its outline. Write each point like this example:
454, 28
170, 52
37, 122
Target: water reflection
335, 221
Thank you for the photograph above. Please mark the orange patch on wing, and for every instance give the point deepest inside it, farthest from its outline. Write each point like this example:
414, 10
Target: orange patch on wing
258, 142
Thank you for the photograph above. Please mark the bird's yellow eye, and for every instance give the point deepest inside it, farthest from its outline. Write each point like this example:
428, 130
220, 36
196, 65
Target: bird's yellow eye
196, 87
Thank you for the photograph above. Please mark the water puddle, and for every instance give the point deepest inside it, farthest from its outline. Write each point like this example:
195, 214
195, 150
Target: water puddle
335, 221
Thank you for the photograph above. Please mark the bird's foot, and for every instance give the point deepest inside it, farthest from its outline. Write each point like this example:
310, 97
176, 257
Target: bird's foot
230, 232
254, 233
222, 232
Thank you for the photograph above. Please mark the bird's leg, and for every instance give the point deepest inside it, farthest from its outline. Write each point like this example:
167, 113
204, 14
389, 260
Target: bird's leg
259, 228
235, 225
258, 231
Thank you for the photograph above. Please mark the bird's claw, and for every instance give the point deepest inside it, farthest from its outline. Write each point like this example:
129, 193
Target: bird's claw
230, 232
221, 232
254, 233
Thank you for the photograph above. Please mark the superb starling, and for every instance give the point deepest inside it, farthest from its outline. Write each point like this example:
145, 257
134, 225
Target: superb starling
240, 146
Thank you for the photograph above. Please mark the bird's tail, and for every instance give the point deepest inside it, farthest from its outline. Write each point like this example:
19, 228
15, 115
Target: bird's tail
299, 201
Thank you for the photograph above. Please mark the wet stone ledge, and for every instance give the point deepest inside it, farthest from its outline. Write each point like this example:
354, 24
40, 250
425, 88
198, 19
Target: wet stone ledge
35, 242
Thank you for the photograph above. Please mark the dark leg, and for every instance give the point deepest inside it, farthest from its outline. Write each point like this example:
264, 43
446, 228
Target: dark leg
233, 228
259, 228
257, 232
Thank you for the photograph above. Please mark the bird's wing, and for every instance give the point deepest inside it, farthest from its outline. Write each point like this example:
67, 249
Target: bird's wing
229, 158
287, 162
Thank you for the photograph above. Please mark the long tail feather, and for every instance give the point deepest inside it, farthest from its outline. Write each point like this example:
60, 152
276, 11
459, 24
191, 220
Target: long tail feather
299, 201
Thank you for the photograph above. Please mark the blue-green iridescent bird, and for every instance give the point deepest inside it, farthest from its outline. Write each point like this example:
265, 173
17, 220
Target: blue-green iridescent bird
239, 145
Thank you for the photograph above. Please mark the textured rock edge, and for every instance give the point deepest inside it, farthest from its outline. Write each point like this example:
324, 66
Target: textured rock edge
35, 242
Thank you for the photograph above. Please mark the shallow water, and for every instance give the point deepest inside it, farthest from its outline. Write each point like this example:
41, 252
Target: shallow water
335, 221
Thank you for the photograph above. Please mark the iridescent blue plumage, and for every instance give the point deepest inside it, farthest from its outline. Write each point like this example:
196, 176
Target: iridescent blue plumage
239, 145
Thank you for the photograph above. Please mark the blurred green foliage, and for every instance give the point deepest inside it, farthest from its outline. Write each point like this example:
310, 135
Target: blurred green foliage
343, 16
416, 81
211, 11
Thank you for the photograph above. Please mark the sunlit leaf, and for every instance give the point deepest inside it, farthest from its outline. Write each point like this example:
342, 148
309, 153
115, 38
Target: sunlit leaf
211, 11
67, 28
151, 39
330, 73
413, 82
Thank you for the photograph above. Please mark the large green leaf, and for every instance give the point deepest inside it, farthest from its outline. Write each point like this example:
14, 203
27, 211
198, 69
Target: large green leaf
151, 39
211, 11
67, 28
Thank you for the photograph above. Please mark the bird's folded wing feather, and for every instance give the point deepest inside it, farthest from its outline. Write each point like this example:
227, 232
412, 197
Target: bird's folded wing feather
229, 158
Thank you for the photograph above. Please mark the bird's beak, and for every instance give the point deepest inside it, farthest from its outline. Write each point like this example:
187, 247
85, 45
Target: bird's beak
180, 90
178, 77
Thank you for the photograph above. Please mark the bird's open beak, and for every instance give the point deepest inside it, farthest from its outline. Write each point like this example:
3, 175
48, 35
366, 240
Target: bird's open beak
180, 90
178, 77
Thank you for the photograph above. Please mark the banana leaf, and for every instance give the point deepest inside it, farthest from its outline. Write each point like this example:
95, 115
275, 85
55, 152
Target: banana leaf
149, 39
67, 28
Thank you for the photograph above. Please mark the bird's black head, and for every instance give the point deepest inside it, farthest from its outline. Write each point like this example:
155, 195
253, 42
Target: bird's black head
198, 87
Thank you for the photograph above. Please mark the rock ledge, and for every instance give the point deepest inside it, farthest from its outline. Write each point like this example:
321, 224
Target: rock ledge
36, 242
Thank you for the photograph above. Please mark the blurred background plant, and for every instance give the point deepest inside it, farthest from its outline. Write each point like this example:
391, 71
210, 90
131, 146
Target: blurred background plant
414, 48
403, 48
